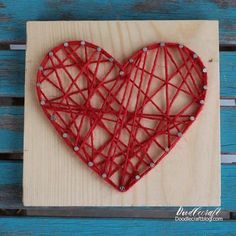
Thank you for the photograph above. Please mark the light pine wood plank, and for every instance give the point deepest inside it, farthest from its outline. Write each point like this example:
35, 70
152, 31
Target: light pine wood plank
188, 176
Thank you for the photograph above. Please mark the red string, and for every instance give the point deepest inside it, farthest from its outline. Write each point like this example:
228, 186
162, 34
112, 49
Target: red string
121, 120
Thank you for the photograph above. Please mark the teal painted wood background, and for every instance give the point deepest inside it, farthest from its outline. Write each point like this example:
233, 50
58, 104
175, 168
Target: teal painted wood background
101, 227
13, 16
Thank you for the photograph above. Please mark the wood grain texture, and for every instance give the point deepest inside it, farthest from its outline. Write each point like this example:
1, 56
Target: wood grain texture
12, 68
12, 119
62, 226
62, 175
13, 14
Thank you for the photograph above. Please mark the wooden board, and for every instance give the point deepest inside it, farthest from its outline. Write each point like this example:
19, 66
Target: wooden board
190, 175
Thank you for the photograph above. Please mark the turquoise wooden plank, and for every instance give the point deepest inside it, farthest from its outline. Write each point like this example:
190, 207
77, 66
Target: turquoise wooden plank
12, 73
14, 14
10, 172
228, 130
228, 183
115, 227
228, 74
11, 182
11, 129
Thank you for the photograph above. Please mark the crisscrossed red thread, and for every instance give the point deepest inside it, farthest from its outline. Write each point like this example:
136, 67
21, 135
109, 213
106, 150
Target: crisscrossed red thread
121, 120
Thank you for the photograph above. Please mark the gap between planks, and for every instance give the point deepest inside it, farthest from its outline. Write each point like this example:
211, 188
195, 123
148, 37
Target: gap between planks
106, 212
19, 101
226, 158
22, 46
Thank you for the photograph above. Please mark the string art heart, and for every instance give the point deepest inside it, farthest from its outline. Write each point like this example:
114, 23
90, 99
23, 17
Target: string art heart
121, 119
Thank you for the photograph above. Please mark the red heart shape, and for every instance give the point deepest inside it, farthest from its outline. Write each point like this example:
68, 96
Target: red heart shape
121, 120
